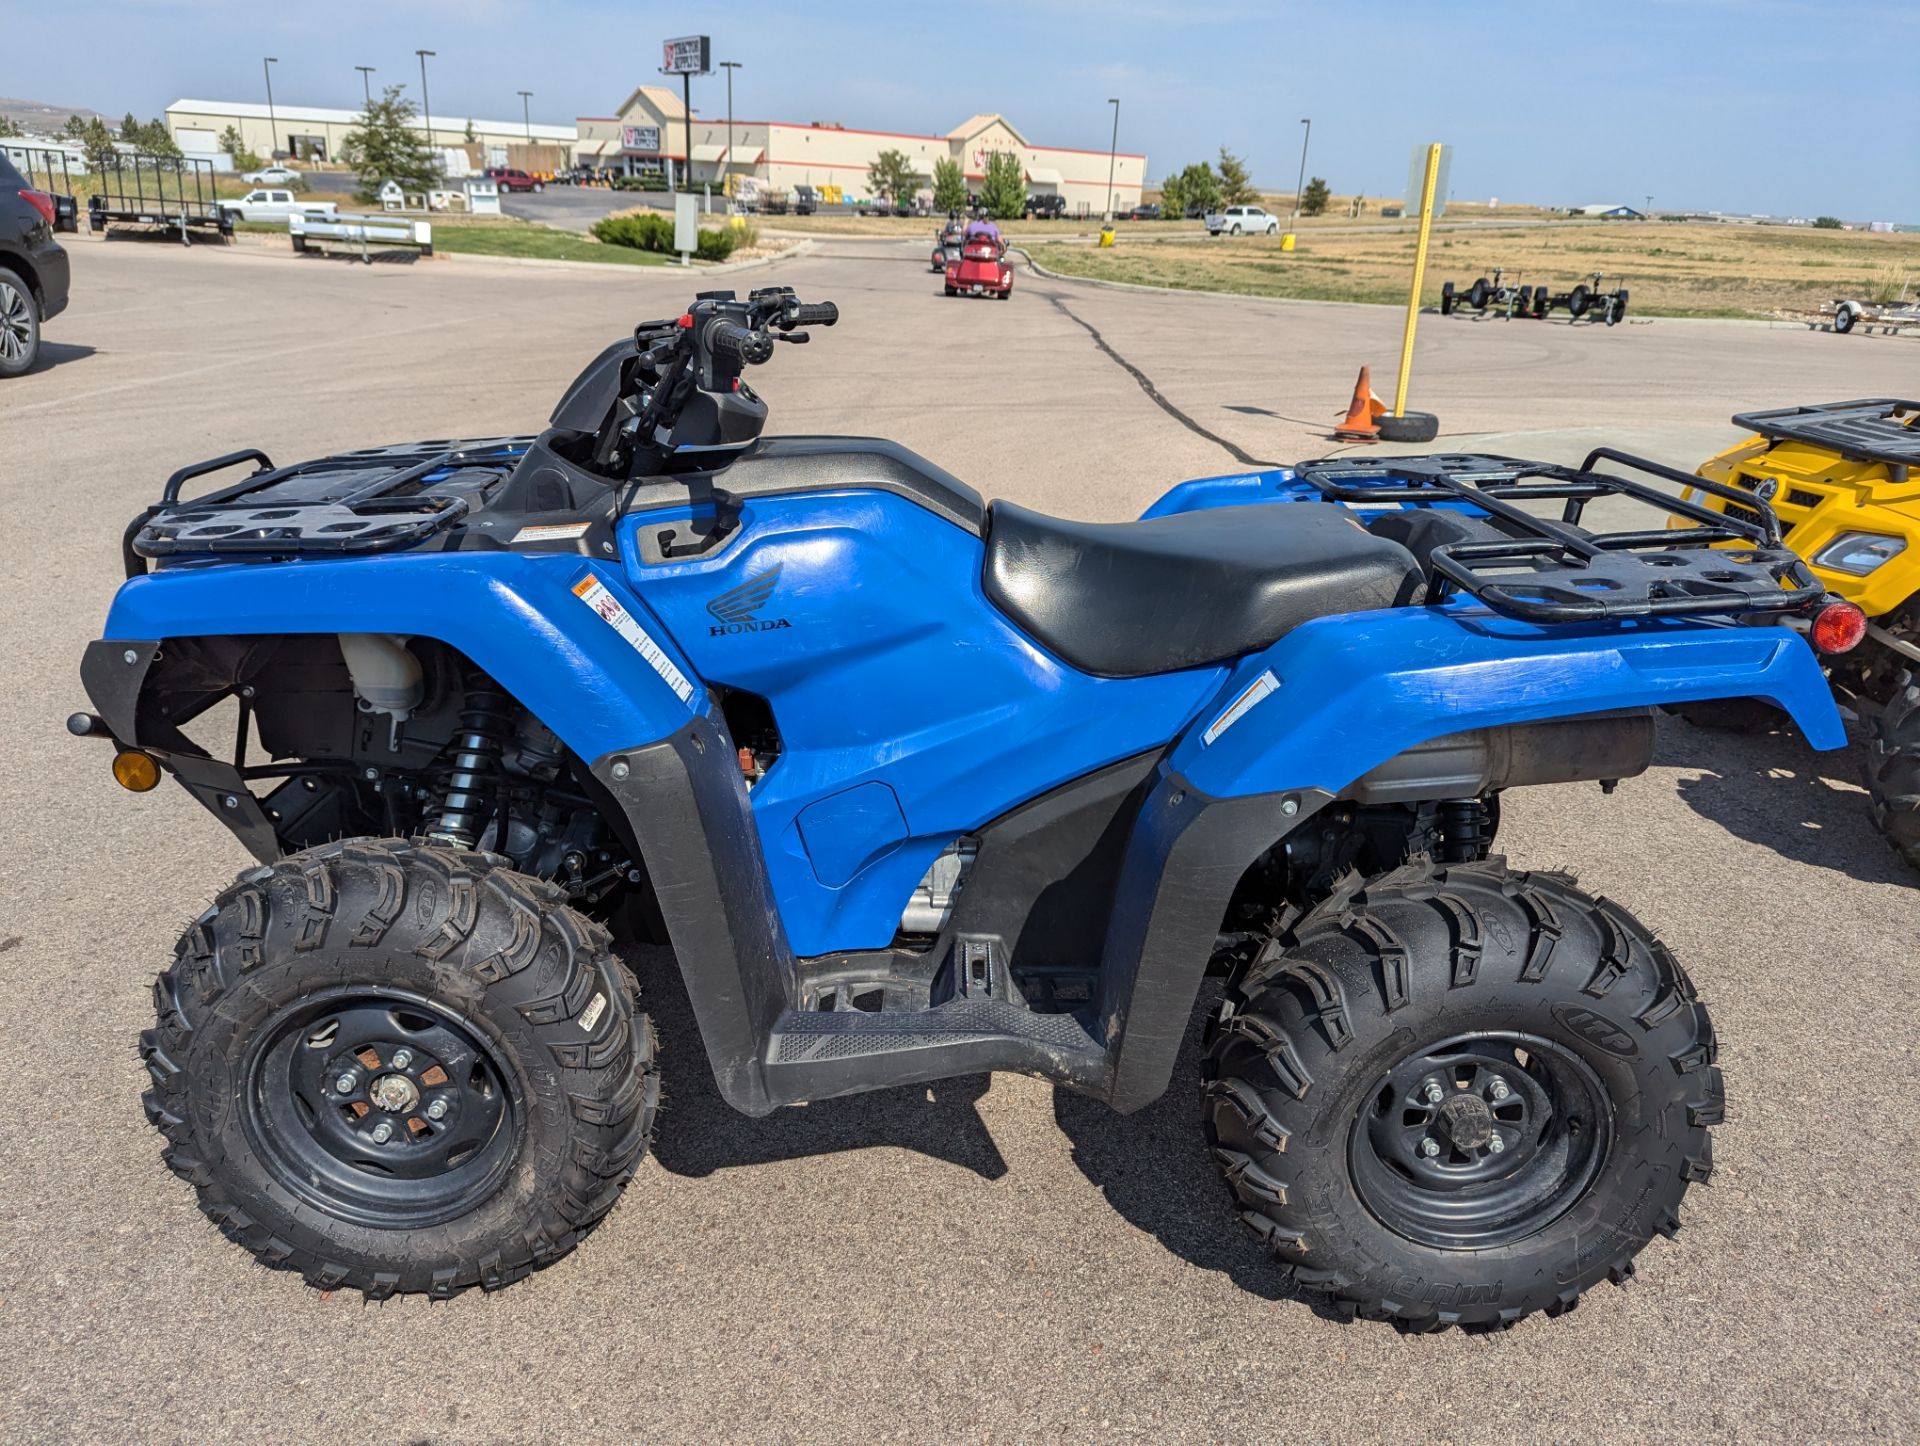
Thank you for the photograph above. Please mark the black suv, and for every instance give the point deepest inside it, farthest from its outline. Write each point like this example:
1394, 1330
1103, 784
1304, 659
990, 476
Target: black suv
1046, 208
33, 270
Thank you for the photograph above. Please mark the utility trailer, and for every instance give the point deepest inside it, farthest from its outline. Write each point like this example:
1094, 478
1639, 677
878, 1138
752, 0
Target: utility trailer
1510, 301
49, 169
1843, 315
1587, 300
166, 193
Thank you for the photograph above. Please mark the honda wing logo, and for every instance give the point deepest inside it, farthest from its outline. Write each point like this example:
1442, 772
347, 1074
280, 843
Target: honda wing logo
737, 609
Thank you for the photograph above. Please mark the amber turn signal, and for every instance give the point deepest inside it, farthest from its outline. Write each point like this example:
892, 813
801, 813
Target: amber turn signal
134, 770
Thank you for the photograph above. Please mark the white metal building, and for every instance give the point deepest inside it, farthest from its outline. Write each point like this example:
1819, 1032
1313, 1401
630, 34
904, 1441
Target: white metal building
302, 130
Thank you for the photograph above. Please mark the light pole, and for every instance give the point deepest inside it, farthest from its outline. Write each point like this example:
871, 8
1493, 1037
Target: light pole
273, 125
1299, 185
526, 115
730, 66
365, 84
1113, 152
1649, 205
426, 106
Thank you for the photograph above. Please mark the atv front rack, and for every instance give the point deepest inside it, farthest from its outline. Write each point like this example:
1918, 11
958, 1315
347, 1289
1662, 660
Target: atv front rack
1544, 570
1873, 429
380, 499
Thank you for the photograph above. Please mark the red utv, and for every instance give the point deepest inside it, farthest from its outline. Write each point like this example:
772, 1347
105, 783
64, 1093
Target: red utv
982, 268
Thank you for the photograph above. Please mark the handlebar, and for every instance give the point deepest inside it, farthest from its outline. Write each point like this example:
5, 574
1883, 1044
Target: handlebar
727, 339
810, 313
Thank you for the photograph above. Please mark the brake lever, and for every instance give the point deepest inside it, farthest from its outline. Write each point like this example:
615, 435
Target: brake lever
794, 338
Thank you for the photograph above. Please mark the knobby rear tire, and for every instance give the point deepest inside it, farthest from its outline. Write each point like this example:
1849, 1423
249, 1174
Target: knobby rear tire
1893, 768
1304, 1040
535, 985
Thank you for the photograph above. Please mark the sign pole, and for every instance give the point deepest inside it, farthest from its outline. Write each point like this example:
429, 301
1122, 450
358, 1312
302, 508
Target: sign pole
686, 105
1419, 276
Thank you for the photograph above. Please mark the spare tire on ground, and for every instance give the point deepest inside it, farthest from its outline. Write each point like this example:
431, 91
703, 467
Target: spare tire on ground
1412, 427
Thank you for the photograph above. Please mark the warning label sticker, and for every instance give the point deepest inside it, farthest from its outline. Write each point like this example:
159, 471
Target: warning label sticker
1261, 687
591, 592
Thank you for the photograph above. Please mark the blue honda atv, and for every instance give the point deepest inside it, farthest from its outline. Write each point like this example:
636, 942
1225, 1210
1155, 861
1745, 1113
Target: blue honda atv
915, 787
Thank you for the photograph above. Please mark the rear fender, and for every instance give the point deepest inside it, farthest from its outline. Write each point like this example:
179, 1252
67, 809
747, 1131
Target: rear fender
1341, 695
514, 614
1296, 725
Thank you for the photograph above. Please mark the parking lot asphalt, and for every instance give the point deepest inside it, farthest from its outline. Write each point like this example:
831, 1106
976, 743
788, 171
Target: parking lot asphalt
988, 1258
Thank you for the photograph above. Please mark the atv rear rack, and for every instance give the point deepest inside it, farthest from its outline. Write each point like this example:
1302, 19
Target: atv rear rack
376, 500
1873, 429
1549, 571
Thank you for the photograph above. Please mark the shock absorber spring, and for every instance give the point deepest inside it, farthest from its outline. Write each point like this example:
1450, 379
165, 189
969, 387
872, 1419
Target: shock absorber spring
1464, 825
486, 723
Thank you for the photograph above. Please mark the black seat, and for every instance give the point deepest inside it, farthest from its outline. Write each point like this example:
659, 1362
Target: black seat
1126, 599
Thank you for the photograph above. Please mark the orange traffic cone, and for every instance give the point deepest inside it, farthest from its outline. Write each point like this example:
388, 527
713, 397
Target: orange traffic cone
1365, 410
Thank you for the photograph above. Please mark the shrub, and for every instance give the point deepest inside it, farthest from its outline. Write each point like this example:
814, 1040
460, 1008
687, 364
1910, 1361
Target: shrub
653, 231
642, 230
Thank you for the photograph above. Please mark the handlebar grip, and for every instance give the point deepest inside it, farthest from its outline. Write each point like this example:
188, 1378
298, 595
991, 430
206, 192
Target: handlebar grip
812, 313
727, 339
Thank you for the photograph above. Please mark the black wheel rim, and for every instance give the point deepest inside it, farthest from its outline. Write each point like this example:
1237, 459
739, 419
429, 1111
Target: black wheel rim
383, 1109
1480, 1140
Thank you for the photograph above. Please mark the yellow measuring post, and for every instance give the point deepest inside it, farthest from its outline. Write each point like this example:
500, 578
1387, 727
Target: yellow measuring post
1419, 276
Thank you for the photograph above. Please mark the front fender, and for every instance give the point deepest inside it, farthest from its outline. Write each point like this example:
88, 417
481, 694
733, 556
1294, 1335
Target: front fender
514, 614
1349, 692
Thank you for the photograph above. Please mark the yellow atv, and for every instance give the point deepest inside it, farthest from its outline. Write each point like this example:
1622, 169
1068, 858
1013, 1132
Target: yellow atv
1844, 480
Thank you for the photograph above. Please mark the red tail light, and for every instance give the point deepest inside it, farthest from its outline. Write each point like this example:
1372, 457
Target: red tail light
1838, 627
40, 201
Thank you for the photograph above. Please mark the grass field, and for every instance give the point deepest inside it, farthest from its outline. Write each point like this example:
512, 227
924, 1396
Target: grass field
1085, 229
508, 237
1672, 269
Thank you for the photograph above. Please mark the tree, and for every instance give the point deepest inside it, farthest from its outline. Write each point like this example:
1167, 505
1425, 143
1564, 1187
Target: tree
1003, 193
157, 140
386, 146
1313, 200
1826, 223
470, 136
8, 128
233, 145
1236, 187
75, 129
949, 186
891, 175
97, 140
1195, 186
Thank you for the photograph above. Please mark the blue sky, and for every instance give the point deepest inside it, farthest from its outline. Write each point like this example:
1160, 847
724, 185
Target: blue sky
1766, 105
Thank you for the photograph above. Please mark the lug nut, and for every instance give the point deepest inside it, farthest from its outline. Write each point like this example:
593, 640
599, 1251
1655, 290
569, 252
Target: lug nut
1496, 1144
346, 1082
1429, 1147
402, 1058
437, 1110
1500, 1090
382, 1132
1435, 1094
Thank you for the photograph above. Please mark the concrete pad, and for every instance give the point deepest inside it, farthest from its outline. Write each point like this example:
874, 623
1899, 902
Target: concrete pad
986, 1258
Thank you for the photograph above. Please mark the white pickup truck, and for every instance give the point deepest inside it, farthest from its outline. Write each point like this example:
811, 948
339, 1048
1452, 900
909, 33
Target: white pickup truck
268, 204
1242, 221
